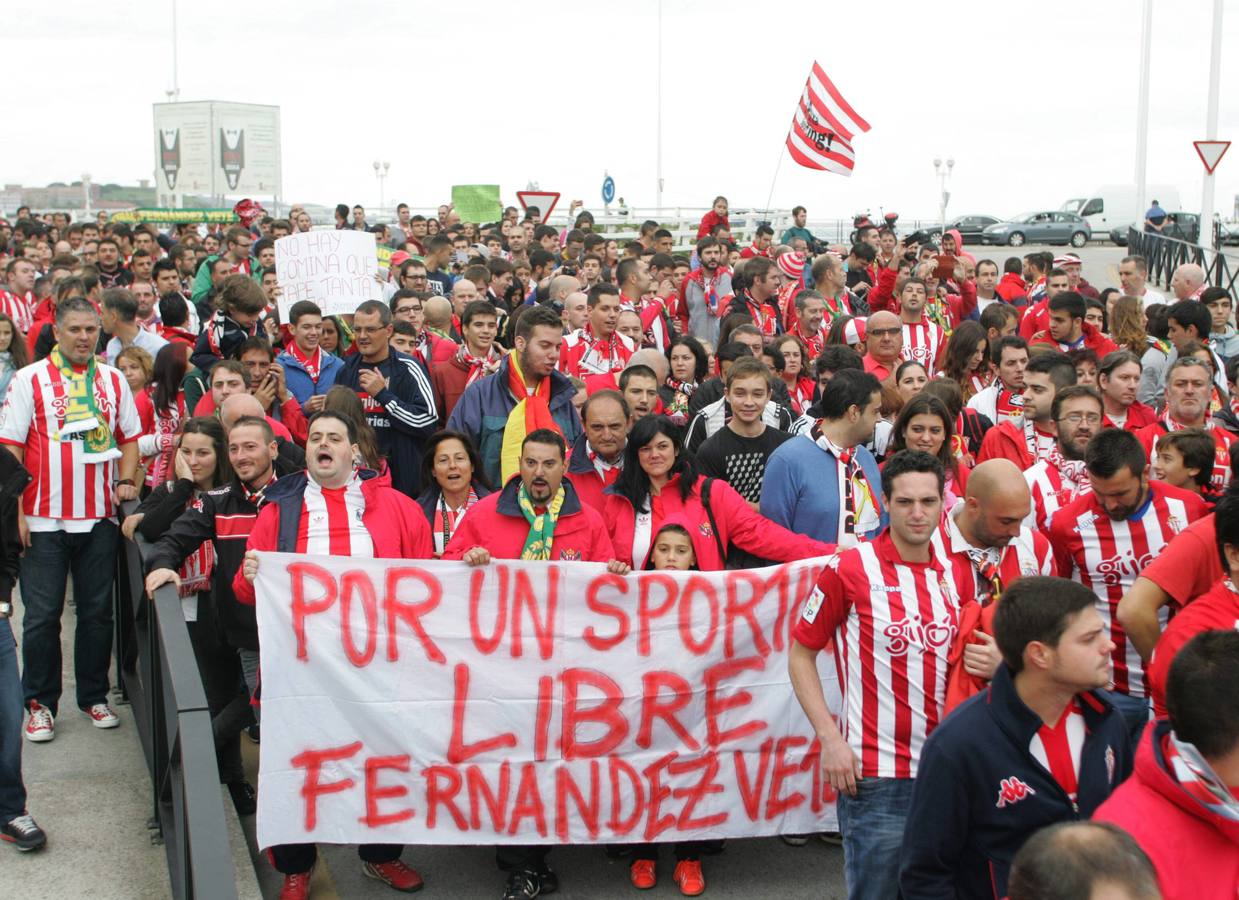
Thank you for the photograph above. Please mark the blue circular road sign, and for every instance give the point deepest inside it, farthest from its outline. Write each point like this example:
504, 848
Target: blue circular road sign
608, 189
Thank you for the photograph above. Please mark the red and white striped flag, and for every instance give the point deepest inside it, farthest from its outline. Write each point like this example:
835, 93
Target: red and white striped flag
823, 127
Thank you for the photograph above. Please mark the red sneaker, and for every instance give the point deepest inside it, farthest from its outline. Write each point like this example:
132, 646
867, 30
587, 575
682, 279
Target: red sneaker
395, 874
688, 876
642, 874
297, 887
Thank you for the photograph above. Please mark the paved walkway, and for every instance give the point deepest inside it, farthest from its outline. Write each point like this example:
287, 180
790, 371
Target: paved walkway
89, 790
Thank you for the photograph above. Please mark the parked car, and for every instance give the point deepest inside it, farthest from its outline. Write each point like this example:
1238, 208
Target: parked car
1046, 227
1181, 225
969, 228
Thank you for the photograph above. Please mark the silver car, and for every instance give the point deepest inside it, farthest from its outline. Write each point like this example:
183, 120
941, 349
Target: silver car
1049, 227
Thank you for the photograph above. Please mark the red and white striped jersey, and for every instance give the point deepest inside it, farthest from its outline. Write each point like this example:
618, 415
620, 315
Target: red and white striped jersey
1106, 555
1058, 748
331, 521
923, 342
893, 624
1051, 490
1222, 438
583, 354
18, 308
1026, 554
64, 487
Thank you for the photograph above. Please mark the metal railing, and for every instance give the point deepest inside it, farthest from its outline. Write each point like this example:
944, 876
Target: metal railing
160, 678
1165, 254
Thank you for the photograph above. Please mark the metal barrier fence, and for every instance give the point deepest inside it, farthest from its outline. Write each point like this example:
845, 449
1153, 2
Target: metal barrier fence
1165, 254
159, 676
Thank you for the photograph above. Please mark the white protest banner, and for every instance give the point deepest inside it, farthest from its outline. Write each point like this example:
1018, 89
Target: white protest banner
427, 702
333, 269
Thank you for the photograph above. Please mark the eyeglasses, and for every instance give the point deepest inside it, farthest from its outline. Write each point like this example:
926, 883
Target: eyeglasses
1077, 418
408, 309
884, 332
421, 277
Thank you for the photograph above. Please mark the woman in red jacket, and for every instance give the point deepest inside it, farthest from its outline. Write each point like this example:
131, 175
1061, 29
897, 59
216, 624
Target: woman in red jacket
660, 480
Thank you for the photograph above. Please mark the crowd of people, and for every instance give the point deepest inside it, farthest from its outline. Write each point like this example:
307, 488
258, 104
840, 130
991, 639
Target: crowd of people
1022, 485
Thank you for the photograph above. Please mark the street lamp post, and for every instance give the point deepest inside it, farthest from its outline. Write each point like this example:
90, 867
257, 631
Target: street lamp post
944, 196
380, 172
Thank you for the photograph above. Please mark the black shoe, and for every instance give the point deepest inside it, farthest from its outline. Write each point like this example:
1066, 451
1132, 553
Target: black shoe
23, 833
244, 797
522, 885
252, 733
548, 880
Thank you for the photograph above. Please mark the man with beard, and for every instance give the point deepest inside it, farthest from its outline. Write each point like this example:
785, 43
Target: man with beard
1106, 536
538, 515
1056, 480
1188, 389
757, 300
706, 293
111, 272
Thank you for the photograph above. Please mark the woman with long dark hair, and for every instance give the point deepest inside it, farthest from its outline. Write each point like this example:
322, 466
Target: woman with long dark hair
965, 361
454, 479
659, 480
168, 406
926, 424
13, 355
687, 368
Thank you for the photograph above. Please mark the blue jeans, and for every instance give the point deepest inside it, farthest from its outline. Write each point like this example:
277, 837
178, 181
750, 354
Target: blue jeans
1135, 712
12, 789
90, 558
872, 827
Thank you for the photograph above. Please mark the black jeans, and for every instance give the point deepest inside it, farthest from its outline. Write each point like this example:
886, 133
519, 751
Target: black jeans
521, 857
227, 700
90, 558
683, 850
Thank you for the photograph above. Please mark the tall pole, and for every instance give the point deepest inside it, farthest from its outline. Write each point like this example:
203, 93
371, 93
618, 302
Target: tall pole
1142, 105
176, 82
658, 140
1215, 74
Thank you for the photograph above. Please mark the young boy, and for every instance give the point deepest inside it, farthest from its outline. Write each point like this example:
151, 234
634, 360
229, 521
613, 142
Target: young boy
671, 549
1184, 459
1222, 334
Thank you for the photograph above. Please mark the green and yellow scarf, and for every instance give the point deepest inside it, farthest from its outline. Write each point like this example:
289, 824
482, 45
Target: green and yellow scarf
81, 414
541, 525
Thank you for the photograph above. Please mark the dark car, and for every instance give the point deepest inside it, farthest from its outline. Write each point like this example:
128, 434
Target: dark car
969, 228
1182, 226
1046, 227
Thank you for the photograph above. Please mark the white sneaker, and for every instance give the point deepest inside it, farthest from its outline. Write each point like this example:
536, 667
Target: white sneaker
41, 726
101, 716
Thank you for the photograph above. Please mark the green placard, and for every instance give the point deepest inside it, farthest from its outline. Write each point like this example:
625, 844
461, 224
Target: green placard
477, 203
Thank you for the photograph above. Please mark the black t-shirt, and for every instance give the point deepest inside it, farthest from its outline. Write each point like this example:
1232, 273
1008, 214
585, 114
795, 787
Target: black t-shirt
739, 461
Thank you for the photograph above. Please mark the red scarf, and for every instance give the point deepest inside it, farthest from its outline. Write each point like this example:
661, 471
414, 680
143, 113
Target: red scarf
763, 316
312, 365
446, 520
600, 356
478, 366
715, 305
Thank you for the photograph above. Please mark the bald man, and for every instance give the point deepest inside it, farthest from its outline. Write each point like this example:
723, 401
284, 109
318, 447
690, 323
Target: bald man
883, 342
439, 315
653, 359
464, 292
291, 457
1187, 282
985, 547
561, 286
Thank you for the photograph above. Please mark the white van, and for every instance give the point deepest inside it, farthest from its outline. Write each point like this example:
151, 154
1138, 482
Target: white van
1114, 206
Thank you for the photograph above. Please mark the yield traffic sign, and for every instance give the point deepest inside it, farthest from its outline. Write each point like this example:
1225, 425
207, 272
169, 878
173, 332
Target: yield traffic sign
1211, 153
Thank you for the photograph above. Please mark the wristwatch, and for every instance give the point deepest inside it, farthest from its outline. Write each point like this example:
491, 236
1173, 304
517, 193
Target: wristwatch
6, 609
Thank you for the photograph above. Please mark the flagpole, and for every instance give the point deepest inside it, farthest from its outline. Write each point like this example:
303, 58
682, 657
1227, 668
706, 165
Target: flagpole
777, 165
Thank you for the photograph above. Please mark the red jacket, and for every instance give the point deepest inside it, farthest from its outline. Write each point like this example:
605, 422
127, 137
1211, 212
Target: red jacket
497, 523
44, 314
1036, 318
448, 379
737, 524
708, 221
1011, 287
1006, 441
1093, 340
1215, 610
172, 334
1138, 416
396, 524
1195, 851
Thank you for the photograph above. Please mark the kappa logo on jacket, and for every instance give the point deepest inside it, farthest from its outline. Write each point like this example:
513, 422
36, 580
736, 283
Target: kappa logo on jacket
1011, 791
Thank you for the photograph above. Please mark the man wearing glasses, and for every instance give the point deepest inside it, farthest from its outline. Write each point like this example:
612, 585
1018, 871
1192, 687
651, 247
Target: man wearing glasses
1056, 481
409, 306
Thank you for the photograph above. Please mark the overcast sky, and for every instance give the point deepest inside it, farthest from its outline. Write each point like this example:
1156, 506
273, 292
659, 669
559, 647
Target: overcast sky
1034, 100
